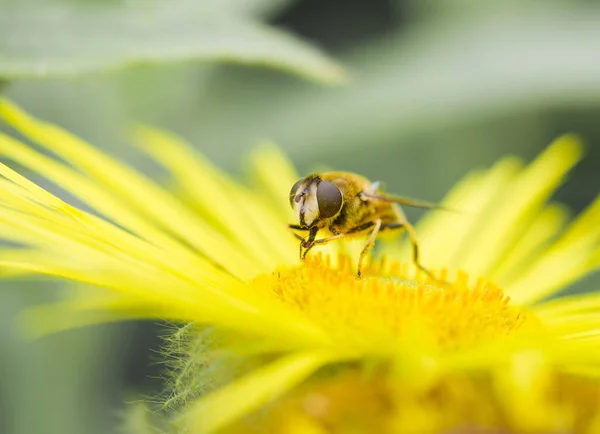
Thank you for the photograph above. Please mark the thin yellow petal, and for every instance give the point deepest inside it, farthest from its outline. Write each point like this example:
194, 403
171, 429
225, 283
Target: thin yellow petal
82, 188
585, 227
225, 202
524, 388
585, 371
554, 271
155, 202
571, 257
516, 206
64, 225
539, 234
230, 403
302, 424
569, 305
274, 174
270, 229
39, 321
575, 326
442, 235
203, 304
76, 230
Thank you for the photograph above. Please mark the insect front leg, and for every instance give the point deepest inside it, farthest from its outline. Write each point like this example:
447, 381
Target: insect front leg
299, 237
322, 241
307, 243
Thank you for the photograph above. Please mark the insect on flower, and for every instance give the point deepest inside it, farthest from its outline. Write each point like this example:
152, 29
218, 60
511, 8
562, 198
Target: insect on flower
347, 205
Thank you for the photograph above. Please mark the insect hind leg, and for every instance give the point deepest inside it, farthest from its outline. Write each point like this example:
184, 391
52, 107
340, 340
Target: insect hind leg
412, 234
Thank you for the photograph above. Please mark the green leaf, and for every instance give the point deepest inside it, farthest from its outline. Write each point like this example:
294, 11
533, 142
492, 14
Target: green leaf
49, 39
426, 79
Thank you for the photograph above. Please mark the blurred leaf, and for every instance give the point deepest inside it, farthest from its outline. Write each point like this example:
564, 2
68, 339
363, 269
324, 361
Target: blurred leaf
429, 78
257, 8
39, 40
461, 9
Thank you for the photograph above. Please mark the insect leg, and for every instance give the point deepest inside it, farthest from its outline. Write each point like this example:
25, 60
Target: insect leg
368, 194
326, 240
369, 244
293, 227
361, 228
393, 226
415, 247
298, 236
297, 227
308, 242
322, 241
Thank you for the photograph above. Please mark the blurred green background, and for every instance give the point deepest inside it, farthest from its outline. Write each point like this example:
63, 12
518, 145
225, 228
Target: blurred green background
433, 89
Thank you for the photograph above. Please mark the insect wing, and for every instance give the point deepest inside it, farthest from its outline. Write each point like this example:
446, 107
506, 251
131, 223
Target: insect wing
402, 200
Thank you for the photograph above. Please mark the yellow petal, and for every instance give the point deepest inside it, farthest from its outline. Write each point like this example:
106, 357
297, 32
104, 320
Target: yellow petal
154, 202
569, 305
443, 235
274, 174
39, 321
254, 228
571, 257
510, 212
232, 402
526, 250
524, 389
81, 187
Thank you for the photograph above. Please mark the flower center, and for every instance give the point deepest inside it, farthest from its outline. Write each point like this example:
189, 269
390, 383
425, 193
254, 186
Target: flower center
391, 303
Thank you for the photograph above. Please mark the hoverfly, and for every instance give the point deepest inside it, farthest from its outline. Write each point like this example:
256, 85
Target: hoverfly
345, 204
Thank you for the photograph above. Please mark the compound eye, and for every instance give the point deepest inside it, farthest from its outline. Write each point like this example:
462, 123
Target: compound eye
293, 192
329, 199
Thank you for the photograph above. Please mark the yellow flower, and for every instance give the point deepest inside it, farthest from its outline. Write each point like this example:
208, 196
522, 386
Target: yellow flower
275, 345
